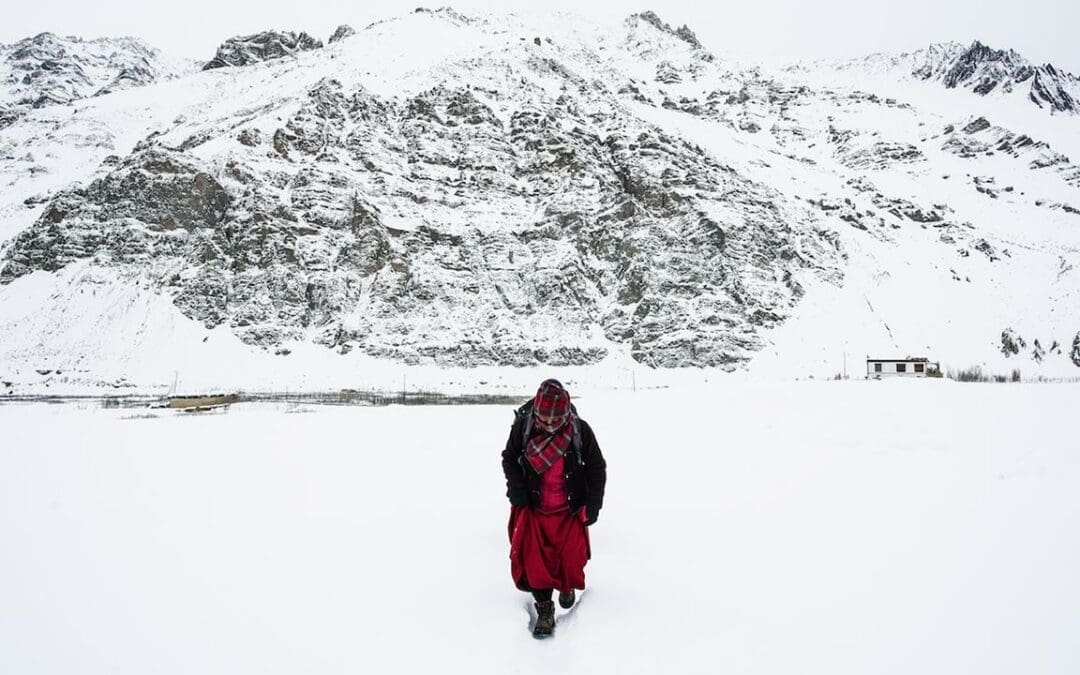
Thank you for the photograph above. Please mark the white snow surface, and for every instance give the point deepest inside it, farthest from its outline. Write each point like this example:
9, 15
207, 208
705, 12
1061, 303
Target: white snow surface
836, 528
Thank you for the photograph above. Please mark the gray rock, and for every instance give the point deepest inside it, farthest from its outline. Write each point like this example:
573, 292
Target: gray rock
985, 70
48, 69
343, 31
683, 33
1011, 343
267, 45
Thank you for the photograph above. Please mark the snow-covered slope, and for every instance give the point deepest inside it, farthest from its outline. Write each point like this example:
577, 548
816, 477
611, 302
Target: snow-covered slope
508, 190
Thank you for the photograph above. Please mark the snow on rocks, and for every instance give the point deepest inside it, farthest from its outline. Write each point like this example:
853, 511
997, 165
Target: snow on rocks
981, 138
984, 69
245, 50
49, 69
343, 31
978, 68
683, 32
453, 226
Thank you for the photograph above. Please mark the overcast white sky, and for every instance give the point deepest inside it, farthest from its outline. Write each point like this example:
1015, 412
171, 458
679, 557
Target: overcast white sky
768, 31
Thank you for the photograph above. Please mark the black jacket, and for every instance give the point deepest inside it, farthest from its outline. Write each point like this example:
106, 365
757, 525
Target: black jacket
586, 472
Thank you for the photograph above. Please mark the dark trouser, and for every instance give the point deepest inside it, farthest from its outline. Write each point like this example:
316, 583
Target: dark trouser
542, 596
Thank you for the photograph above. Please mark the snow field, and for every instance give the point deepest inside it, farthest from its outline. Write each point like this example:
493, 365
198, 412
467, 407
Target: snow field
856, 527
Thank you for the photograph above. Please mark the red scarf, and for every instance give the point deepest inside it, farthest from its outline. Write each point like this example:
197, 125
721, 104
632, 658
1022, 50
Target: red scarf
552, 426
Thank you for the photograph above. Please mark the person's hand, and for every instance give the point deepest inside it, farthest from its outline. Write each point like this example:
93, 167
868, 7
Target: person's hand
591, 514
519, 496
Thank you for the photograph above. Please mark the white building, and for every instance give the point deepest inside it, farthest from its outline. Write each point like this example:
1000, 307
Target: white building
912, 366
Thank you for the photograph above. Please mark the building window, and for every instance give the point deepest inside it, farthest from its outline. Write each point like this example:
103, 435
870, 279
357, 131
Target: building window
918, 367
877, 367
901, 367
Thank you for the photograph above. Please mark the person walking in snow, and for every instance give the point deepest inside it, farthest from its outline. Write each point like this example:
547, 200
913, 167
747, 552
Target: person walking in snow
555, 477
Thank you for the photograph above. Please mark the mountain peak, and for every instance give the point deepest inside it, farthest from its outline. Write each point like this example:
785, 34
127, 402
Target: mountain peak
245, 50
984, 69
683, 32
48, 69
980, 51
980, 68
42, 37
449, 13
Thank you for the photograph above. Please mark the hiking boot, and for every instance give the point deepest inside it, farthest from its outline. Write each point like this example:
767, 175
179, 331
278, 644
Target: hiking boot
566, 600
545, 619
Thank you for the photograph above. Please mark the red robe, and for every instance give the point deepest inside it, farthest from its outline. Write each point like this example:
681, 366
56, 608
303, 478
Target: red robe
549, 550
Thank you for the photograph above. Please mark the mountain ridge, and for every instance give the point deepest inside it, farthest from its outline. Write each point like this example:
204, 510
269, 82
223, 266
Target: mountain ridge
978, 67
488, 191
47, 69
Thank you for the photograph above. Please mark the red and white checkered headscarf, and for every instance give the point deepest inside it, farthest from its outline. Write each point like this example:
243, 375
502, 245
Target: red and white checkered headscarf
552, 428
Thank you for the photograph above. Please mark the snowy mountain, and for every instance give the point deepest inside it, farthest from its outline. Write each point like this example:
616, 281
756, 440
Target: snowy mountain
471, 191
48, 70
980, 69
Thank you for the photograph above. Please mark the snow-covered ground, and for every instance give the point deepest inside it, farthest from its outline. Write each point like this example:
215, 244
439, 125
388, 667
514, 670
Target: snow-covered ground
844, 527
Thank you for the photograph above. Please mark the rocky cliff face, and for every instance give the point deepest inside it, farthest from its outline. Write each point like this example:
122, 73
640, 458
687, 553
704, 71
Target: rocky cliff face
366, 223
267, 45
487, 191
983, 69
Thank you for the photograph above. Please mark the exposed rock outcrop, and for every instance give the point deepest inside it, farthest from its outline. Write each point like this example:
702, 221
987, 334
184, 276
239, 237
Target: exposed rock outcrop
48, 69
343, 31
248, 49
984, 70
683, 33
